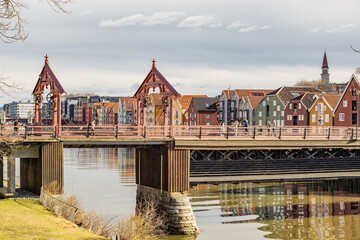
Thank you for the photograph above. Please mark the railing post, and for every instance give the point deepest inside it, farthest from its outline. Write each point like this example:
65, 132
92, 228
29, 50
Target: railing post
352, 134
26, 131
200, 132
55, 132
329, 132
254, 133
280, 133
227, 132
144, 131
88, 132
305, 133
117, 131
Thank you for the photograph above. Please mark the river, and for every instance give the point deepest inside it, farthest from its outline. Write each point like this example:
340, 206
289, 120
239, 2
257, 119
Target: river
326, 209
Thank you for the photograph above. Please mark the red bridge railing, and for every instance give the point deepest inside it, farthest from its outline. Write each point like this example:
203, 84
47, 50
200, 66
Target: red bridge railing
190, 132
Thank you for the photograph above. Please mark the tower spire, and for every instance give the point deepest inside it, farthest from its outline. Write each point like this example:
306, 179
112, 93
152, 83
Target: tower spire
325, 76
325, 62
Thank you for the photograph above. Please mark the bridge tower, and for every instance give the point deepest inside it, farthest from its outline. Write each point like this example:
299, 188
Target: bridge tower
47, 79
153, 81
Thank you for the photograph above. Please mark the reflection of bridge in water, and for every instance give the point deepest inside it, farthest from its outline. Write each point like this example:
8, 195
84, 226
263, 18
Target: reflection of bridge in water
307, 210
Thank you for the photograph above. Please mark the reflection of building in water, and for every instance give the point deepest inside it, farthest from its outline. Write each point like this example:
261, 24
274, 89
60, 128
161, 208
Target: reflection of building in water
314, 210
237, 199
118, 159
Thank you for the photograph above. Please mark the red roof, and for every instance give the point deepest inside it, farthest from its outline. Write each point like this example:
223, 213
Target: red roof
47, 69
161, 78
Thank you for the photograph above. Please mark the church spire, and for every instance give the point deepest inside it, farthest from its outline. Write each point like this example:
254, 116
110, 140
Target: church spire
325, 76
325, 63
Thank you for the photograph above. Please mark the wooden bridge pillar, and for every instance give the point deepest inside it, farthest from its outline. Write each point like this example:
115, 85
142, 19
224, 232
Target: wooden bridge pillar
52, 161
1, 172
162, 173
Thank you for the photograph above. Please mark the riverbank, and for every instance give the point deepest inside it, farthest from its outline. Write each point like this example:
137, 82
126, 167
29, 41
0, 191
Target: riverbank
28, 219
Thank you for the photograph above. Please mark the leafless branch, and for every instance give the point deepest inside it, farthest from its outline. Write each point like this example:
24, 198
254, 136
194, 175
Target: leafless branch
8, 88
354, 49
11, 20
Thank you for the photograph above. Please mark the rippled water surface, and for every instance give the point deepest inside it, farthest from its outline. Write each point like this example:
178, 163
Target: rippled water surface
105, 179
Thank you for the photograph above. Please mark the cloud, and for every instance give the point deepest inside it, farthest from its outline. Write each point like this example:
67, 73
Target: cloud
199, 22
244, 27
158, 18
315, 30
86, 13
341, 29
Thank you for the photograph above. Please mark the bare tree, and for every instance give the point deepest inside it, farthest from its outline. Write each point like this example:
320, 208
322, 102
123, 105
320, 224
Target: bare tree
319, 84
12, 22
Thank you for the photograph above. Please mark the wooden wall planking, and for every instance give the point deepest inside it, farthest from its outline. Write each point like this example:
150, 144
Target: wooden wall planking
53, 165
1, 172
163, 168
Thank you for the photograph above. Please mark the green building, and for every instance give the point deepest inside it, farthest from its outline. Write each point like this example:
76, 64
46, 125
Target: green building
271, 107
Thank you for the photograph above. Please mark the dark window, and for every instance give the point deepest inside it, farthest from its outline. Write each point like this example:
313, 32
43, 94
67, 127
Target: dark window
353, 105
354, 118
353, 92
267, 110
295, 105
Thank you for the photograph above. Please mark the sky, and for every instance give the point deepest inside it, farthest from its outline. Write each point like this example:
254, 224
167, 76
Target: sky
201, 47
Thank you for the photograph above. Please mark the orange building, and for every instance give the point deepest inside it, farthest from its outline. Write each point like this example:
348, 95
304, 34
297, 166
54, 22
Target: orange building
321, 112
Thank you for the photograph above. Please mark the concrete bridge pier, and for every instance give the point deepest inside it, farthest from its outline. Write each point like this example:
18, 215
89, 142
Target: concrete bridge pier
11, 174
40, 165
162, 175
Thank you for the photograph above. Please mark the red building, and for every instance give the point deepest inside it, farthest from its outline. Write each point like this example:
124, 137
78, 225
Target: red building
202, 111
346, 109
297, 110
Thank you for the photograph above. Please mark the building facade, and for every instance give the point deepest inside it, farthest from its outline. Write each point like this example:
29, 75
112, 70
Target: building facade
202, 111
297, 110
345, 113
322, 111
271, 109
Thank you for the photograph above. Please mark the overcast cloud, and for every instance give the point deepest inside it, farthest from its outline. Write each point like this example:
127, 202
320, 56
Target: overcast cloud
201, 47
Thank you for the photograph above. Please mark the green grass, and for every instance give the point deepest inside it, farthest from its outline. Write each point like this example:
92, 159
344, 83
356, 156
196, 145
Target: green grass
28, 219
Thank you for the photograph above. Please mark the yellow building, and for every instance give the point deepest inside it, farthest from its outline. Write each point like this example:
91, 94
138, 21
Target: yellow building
155, 109
321, 112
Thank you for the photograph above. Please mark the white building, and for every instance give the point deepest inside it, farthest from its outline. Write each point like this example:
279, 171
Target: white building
22, 110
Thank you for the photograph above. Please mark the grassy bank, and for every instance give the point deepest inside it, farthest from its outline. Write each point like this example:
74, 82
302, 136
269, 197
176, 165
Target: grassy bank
28, 219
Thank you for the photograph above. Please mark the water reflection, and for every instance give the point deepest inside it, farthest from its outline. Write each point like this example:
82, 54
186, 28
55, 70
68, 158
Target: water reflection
305, 210
105, 178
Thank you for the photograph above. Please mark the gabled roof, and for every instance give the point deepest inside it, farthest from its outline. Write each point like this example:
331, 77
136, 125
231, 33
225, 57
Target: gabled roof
353, 76
254, 101
307, 99
228, 93
205, 104
129, 103
287, 93
47, 70
155, 78
185, 100
251, 92
332, 100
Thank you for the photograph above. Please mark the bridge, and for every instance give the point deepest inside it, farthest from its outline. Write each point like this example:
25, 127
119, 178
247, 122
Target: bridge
170, 157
